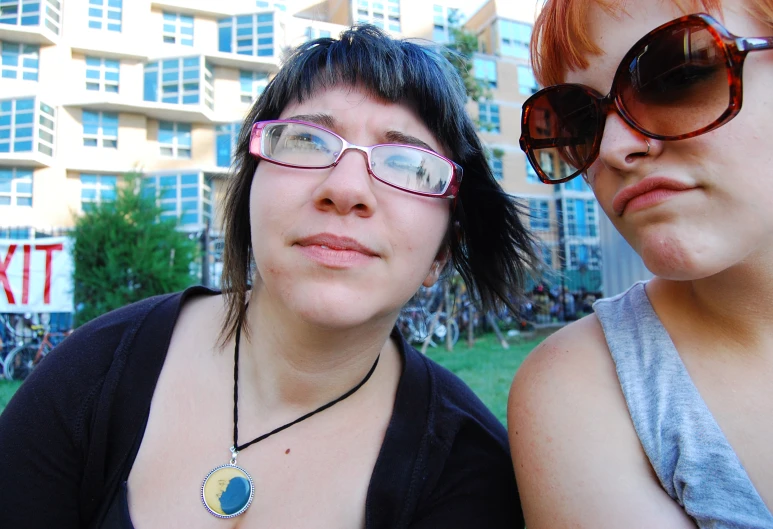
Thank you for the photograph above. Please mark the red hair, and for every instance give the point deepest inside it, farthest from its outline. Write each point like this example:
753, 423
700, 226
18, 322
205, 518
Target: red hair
561, 40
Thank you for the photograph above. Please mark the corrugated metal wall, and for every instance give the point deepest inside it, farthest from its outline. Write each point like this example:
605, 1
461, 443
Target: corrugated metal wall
621, 265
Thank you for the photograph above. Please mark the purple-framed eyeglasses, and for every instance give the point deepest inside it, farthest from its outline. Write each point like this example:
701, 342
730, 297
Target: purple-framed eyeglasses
303, 145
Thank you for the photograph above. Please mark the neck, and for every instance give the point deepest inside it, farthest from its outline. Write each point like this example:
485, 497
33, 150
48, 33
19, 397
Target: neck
288, 365
735, 303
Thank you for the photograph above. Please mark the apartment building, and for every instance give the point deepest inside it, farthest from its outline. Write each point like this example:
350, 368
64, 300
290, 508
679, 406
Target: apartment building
566, 216
93, 89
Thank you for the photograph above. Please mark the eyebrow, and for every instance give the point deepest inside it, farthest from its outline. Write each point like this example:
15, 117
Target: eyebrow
325, 120
391, 136
394, 136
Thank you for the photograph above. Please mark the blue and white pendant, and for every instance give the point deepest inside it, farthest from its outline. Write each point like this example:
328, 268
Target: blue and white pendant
227, 491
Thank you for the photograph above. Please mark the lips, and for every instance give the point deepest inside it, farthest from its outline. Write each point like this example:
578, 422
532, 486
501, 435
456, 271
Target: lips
336, 243
648, 185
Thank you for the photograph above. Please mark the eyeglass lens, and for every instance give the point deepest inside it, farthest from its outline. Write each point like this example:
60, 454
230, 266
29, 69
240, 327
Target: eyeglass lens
673, 84
307, 146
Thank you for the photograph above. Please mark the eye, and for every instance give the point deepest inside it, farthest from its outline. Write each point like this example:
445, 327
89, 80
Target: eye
305, 141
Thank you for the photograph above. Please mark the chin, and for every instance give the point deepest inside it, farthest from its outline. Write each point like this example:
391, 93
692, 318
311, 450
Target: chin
681, 260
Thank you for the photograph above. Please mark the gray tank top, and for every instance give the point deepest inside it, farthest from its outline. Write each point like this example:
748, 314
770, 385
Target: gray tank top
689, 453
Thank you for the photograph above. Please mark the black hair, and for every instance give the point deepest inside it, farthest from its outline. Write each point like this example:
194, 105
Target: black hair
487, 243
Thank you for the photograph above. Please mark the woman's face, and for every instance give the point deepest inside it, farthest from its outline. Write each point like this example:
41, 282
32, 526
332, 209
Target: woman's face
336, 247
724, 215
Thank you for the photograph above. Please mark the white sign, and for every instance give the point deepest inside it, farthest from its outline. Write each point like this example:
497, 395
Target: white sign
36, 275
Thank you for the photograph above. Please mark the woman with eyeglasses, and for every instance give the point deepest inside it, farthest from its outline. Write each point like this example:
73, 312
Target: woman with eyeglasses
657, 411
289, 399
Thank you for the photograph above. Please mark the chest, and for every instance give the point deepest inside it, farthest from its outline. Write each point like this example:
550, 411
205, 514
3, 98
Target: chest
739, 395
314, 474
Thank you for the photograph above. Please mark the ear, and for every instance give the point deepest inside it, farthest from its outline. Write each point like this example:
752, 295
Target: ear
436, 269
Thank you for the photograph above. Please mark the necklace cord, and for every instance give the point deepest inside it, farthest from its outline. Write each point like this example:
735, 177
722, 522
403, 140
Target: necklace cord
236, 445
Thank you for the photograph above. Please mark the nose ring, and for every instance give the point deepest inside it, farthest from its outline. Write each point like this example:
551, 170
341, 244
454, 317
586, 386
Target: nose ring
648, 147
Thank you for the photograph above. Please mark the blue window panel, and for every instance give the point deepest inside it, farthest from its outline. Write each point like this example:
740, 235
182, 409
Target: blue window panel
31, 7
168, 193
265, 29
92, 74
25, 118
266, 40
25, 104
30, 20
88, 194
111, 76
5, 134
5, 147
224, 38
189, 179
191, 99
266, 17
95, 12
189, 192
191, 61
151, 86
114, 3
22, 146
265, 53
29, 76
95, 24
23, 132
114, 27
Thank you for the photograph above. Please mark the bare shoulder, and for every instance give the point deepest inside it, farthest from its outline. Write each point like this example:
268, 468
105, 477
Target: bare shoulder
576, 454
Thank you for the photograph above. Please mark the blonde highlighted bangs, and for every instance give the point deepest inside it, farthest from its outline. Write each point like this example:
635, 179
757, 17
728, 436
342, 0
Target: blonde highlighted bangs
561, 41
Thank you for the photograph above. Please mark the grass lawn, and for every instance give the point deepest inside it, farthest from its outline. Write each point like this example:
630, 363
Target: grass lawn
487, 368
7, 389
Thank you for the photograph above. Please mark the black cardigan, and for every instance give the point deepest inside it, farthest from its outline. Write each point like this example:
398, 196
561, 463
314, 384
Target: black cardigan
69, 436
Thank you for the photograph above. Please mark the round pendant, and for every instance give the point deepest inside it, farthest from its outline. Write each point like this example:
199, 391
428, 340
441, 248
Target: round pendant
227, 491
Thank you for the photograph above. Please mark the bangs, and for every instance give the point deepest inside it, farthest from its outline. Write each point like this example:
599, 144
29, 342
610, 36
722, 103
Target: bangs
561, 39
388, 70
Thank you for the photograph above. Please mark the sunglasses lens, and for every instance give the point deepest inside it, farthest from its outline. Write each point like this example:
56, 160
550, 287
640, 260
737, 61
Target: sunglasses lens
563, 123
676, 83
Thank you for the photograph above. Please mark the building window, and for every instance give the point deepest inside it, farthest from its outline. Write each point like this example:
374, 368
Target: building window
180, 81
252, 85
15, 186
174, 139
102, 75
531, 174
375, 13
527, 84
28, 13
226, 137
96, 189
276, 4
547, 255
186, 197
488, 116
178, 29
105, 14
539, 214
514, 38
100, 129
17, 124
314, 33
15, 233
496, 166
19, 61
485, 71
440, 24
575, 184
584, 256
247, 34
581, 218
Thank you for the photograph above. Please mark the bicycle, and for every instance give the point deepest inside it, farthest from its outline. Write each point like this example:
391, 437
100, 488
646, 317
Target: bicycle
22, 359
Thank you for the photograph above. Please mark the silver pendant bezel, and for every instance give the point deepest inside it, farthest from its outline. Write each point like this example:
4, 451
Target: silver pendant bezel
243, 509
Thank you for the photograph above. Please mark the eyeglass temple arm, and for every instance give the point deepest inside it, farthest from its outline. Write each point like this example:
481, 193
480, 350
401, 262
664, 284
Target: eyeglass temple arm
754, 44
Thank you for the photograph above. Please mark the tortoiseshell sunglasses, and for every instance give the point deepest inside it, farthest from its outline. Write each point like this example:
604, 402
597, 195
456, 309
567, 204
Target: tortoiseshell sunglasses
681, 80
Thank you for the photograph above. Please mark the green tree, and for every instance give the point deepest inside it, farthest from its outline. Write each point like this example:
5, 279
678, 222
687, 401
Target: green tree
123, 253
459, 51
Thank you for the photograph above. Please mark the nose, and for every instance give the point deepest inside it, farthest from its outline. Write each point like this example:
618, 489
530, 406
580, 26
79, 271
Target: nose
348, 187
622, 148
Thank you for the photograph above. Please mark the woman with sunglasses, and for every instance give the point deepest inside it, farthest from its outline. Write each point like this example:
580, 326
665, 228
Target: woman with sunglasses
657, 411
290, 400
